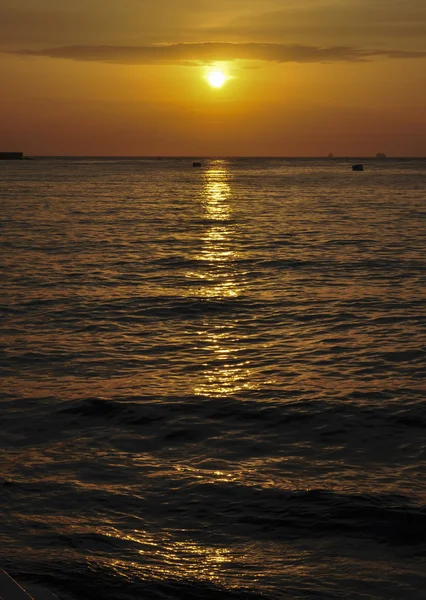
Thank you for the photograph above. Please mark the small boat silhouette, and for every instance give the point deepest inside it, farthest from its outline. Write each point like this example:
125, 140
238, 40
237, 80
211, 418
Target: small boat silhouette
358, 167
196, 164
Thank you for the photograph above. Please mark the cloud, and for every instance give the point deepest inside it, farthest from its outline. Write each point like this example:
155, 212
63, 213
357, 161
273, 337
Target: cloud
376, 23
34, 24
205, 53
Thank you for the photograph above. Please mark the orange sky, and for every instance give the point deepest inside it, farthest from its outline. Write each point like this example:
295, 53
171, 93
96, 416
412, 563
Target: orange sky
127, 77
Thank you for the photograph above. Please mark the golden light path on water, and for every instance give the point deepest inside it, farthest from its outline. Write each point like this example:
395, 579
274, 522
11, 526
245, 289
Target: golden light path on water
170, 557
225, 373
167, 556
218, 247
134, 340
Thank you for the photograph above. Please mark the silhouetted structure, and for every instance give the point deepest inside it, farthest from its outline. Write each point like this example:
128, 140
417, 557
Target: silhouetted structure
196, 164
358, 167
380, 155
11, 155
11, 590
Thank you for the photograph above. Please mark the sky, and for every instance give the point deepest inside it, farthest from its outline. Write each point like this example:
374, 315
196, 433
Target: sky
130, 77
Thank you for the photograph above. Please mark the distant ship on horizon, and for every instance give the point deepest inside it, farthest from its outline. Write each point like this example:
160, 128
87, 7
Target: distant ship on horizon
11, 155
380, 155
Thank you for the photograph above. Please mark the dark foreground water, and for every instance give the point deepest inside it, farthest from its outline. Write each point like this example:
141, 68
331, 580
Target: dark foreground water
213, 380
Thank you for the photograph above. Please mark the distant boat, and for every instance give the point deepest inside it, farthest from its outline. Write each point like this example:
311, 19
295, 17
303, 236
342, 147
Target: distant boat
11, 155
196, 164
330, 155
358, 167
380, 155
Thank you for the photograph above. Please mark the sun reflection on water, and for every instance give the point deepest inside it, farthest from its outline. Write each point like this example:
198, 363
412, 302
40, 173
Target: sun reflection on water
169, 557
217, 253
174, 556
225, 372
217, 192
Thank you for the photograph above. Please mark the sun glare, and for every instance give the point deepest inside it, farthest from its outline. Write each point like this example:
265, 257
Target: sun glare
216, 79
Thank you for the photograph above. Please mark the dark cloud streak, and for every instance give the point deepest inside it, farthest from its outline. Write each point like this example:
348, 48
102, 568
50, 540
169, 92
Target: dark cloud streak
204, 53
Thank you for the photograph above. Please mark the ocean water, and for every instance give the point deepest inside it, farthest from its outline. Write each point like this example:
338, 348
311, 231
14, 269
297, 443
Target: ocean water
213, 379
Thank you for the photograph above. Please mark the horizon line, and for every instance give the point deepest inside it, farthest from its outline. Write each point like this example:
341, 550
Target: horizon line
229, 156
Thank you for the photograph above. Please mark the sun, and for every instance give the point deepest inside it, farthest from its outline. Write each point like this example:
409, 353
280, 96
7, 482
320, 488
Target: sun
216, 79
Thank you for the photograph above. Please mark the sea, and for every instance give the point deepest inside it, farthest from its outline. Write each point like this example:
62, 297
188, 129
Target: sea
213, 378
